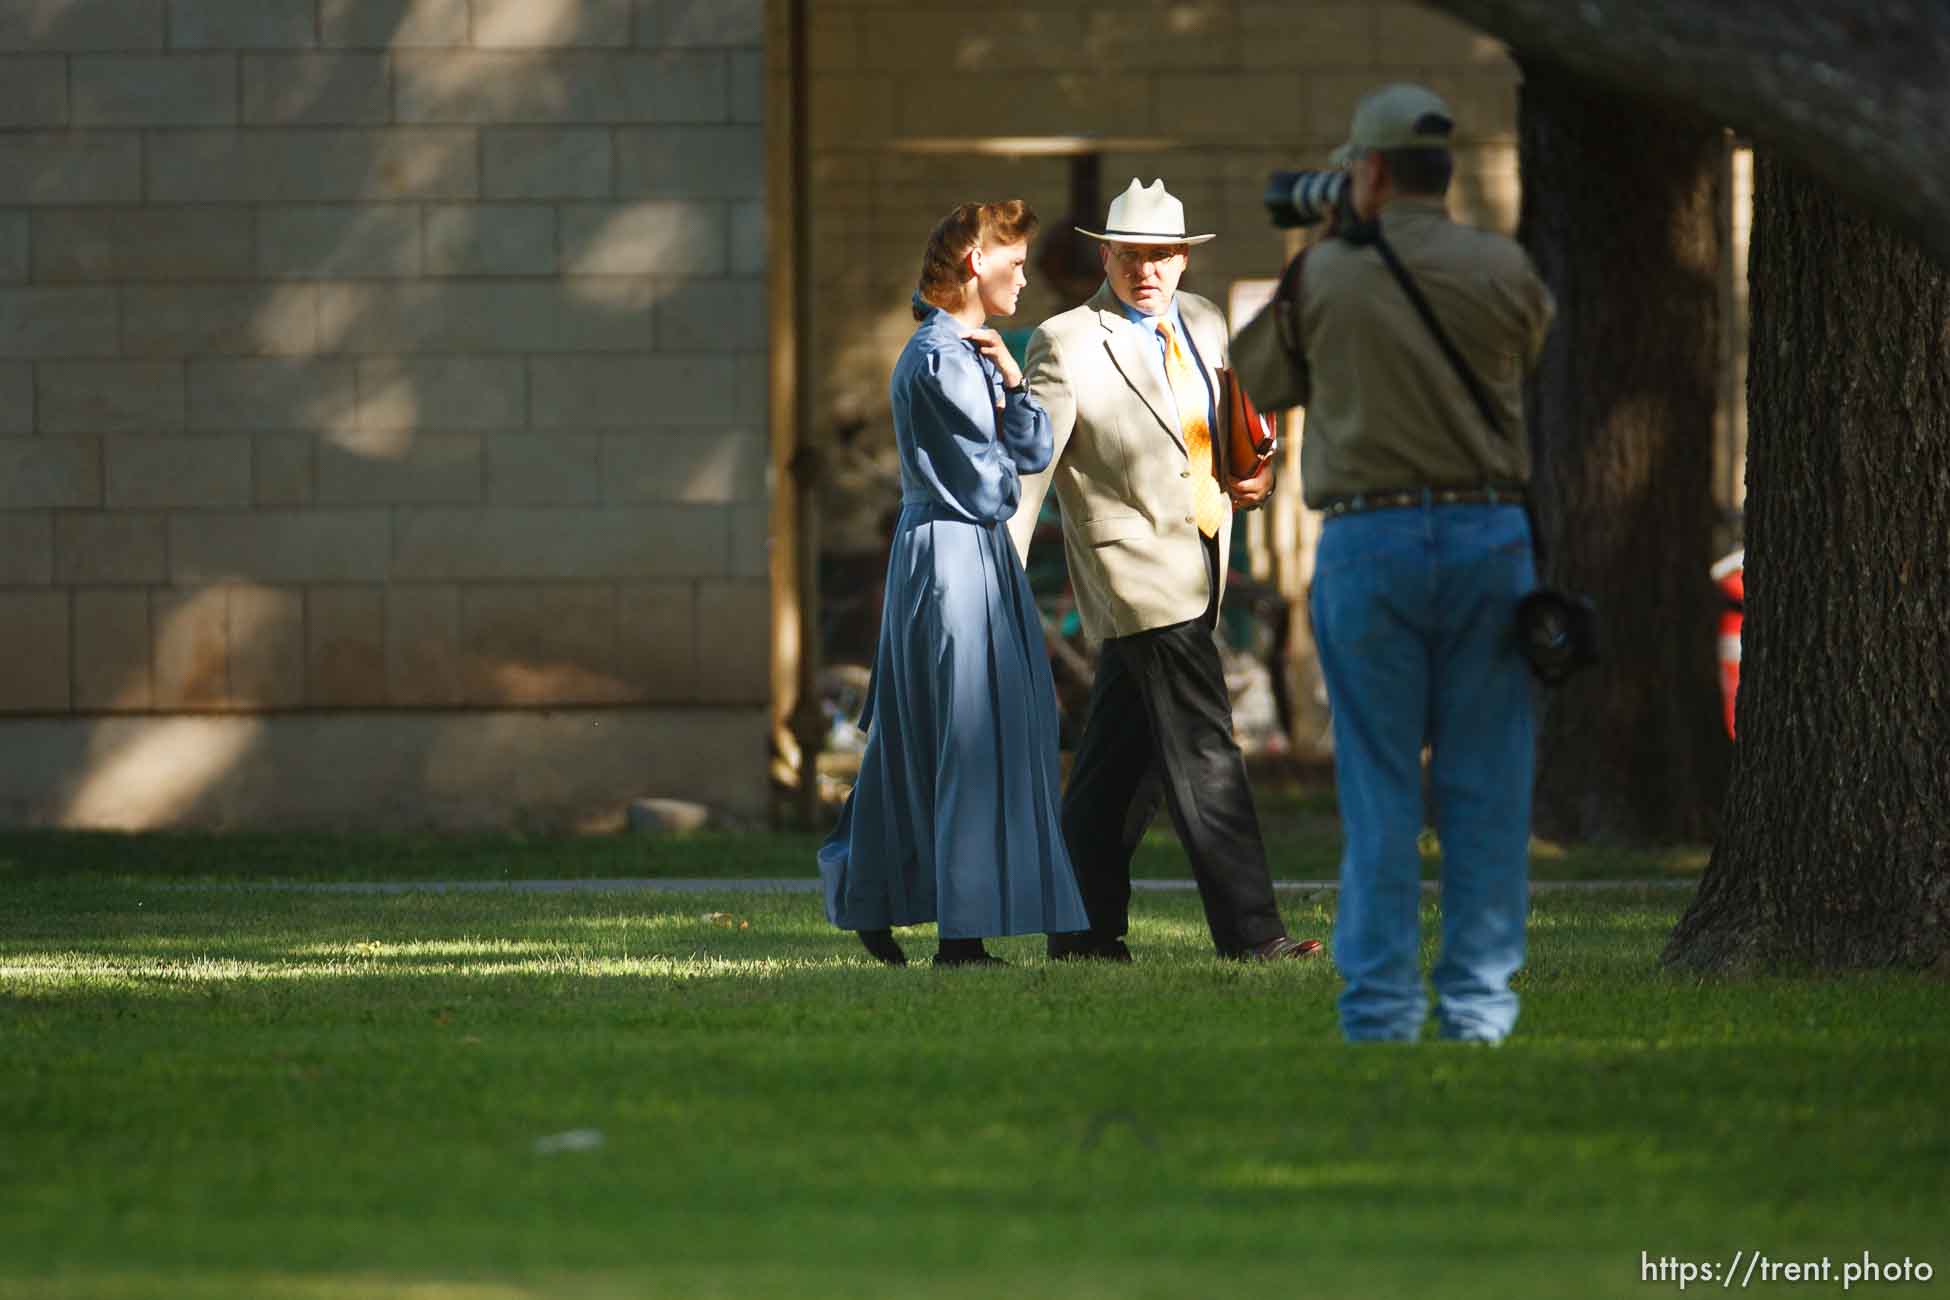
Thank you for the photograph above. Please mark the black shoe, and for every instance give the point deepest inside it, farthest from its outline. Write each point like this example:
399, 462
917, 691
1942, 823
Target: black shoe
1085, 946
966, 952
881, 944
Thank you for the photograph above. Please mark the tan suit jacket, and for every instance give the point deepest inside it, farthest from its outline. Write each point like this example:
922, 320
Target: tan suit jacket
1120, 468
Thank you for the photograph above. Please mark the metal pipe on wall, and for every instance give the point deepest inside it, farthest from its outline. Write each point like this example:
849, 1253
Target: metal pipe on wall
798, 722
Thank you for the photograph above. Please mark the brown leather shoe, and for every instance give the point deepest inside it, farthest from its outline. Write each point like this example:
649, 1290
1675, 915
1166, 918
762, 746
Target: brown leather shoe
1284, 948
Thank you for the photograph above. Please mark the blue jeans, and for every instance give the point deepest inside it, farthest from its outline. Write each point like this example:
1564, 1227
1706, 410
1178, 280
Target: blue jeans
1414, 615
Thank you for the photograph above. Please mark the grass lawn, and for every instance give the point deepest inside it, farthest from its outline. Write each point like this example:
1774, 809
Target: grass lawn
228, 1093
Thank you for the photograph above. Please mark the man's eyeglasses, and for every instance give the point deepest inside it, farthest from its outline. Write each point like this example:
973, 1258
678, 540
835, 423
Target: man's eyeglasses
1138, 255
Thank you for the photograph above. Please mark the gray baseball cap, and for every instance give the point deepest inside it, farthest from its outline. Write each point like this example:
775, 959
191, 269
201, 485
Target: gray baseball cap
1399, 116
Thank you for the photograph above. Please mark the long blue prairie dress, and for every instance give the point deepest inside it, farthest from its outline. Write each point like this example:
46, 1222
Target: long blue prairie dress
955, 815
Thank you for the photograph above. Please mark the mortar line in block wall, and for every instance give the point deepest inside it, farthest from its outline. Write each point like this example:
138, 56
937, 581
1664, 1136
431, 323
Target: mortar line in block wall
226, 586
168, 547
316, 305
616, 626
696, 588
74, 660
149, 629
304, 643
385, 621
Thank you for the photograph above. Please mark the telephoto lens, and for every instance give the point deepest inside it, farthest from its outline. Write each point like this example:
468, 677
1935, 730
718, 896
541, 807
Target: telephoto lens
1302, 198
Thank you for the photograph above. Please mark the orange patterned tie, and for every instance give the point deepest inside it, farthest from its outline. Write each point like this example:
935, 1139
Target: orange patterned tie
1188, 390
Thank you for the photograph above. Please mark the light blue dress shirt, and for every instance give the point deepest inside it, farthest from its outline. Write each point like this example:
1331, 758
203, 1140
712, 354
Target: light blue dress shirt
1149, 324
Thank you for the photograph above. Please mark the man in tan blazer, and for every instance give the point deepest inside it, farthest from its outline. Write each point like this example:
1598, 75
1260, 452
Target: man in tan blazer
1131, 386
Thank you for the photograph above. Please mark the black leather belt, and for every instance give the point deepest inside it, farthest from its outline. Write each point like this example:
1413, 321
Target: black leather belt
1505, 494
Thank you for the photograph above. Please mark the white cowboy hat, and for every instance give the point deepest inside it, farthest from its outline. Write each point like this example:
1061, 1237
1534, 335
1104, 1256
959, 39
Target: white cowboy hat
1145, 215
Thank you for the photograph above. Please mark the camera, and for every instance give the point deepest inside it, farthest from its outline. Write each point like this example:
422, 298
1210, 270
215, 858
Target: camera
1302, 198
1558, 632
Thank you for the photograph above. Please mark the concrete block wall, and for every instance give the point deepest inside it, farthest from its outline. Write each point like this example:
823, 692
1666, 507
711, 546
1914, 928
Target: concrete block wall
1218, 93
387, 361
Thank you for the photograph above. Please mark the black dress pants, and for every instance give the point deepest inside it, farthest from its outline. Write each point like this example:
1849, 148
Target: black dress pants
1160, 723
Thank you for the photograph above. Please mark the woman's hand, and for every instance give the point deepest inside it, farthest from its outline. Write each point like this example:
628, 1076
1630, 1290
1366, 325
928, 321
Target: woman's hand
1251, 493
990, 345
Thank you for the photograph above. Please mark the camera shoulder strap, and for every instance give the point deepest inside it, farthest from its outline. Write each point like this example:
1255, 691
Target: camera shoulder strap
1464, 371
1286, 307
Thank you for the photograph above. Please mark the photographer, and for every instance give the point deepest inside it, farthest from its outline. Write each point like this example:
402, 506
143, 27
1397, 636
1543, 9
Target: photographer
1424, 556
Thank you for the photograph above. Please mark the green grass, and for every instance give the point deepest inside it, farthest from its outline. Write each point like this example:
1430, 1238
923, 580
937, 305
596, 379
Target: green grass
232, 1093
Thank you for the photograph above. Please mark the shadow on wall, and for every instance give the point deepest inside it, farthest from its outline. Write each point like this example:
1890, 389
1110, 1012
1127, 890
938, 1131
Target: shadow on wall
456, 409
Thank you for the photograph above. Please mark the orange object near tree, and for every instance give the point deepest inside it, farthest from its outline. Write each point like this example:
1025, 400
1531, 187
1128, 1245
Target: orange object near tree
1729, 574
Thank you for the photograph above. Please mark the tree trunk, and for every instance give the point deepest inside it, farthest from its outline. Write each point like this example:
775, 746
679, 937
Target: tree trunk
1836, 846
1855, 91
1620, 213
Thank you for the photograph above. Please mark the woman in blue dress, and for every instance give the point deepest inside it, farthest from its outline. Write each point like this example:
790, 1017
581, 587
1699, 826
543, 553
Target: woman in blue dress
955, 815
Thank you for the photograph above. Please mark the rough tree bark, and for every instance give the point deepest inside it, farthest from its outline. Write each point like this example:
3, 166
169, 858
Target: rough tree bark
1835, 840
1836, 847
1855, 91
1620, 214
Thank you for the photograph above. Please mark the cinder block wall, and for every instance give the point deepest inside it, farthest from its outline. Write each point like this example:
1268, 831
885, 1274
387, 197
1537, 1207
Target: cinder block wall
1228, 90
382, 410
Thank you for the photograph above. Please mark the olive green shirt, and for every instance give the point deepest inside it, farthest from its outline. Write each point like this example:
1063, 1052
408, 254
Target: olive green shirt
1385, 409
